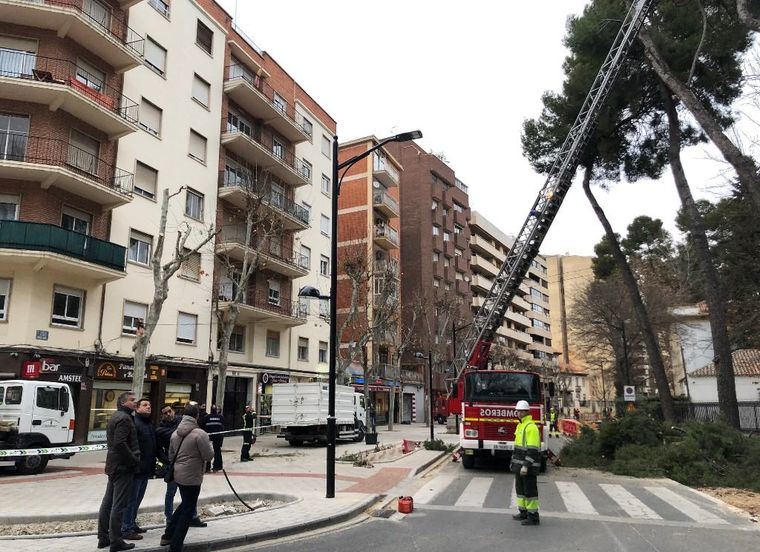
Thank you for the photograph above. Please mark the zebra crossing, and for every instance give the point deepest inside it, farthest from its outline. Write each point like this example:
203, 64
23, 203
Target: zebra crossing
588, 498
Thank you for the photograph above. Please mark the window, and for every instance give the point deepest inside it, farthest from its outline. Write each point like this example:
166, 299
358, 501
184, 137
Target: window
150, 117
324, 225
75, 220
155, 56
52, 398
447, 286
435, 205
273, 344
326, 185
90, 76
537, 308
194, 204
326, 146
279, 102
323, 351
19, 56
237, 340
191, 267
160, 6
9, 207
458, 252
201, 90
436, 283
458, 208
459, 275
133, 313
204, 37
278, 149
146, 179
445, 212
324, 308
83, 152
303, 307
304, 260
187, 327
436, 257
307, 209
274, 292
67, 307
139, 247
447, 236
457, 229
306, 125
13, 394
446, 262
436, 231
5, 293
535, 293
197, 146
303, 349
324, 265
306, 169
99, 13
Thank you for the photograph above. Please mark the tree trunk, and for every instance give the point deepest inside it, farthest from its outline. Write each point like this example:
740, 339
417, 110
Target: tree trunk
650, 339
745, 16
744, 165
713, 292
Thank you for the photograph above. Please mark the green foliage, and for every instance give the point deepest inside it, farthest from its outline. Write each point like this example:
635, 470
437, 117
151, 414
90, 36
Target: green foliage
603, 264
438, 444
636, 428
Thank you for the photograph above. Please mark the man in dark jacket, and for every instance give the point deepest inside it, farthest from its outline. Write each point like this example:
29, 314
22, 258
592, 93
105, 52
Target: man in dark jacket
122, 461
146, 438
249, 437
214, 424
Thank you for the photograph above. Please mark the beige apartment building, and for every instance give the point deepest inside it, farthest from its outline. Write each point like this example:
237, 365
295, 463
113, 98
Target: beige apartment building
526, 328
104, 104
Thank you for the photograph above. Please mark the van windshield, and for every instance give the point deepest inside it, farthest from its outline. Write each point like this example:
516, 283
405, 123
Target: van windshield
13, 394
493, 386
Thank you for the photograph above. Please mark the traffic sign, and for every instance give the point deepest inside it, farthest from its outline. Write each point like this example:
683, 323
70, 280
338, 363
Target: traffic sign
629, 393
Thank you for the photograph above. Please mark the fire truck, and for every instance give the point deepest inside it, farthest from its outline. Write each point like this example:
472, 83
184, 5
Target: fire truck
483, 399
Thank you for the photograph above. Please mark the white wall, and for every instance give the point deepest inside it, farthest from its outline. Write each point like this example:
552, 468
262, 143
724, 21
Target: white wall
706, 389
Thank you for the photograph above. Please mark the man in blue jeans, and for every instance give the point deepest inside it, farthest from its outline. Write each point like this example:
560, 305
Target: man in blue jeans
190, 448
146, 439
167, 426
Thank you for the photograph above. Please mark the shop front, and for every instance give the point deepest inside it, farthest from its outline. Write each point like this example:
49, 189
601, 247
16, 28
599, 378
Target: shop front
264, 396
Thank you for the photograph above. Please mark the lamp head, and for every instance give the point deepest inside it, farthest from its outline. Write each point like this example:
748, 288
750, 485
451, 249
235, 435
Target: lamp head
406, 136
310, 292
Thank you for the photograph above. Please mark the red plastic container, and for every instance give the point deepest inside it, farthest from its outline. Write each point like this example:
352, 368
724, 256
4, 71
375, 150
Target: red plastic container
405, 504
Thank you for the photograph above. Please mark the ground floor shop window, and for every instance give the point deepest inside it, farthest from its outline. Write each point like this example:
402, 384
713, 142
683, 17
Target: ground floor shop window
177, 396
103, 405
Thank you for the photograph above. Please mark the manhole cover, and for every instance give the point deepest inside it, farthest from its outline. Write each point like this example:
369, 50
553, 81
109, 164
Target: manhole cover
383, 513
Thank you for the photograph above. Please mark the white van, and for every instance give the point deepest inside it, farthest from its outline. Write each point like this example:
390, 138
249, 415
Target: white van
35, 414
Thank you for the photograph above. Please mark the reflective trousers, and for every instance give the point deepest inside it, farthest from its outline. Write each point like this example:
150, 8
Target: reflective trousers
526, 488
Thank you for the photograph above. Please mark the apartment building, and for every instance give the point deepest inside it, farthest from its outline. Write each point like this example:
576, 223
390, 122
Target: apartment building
435, 258
368, 239
526, 329
105, 104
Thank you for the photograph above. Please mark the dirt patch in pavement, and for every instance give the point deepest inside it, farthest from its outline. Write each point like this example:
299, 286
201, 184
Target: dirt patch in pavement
749, 501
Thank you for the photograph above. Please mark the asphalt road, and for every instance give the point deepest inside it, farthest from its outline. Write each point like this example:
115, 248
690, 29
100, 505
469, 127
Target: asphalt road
457, 509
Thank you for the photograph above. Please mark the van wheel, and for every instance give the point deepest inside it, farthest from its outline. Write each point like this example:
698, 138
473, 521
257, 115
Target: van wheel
468, 461
30, 465
359, 434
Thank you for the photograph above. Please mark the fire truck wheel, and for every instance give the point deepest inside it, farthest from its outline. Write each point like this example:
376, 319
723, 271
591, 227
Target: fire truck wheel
468, 461
30, 465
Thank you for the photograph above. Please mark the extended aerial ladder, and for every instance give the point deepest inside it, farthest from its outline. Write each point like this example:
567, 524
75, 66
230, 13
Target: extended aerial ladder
472, 353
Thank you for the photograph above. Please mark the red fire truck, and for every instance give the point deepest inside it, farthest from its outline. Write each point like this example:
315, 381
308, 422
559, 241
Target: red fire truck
485, 401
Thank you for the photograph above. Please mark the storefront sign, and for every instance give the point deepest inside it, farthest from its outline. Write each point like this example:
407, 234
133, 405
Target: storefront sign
120, 371
267, 378
52, 370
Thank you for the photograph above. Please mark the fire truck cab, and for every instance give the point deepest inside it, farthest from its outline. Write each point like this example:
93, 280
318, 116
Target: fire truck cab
485, 401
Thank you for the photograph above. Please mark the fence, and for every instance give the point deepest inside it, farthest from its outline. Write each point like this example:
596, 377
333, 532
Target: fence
749, 414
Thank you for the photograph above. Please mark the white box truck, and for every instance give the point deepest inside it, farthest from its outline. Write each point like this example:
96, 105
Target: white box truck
300, 409
35, 414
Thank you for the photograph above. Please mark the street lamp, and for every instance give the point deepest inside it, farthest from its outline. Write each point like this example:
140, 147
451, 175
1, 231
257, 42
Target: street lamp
312, 292
430, 387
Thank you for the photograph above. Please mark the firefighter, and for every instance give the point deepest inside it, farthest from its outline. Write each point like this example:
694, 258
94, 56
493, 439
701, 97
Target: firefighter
526, 463
553, 430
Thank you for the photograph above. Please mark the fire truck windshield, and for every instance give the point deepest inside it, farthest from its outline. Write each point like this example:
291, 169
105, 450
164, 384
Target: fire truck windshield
494, 386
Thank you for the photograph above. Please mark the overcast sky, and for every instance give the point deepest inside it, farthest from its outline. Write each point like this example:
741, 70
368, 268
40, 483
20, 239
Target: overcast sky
466, 73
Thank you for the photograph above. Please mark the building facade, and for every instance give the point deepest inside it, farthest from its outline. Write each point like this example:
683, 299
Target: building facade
104, 105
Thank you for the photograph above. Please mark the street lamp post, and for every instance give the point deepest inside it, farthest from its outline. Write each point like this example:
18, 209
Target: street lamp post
454, 331
309, 291
430, 389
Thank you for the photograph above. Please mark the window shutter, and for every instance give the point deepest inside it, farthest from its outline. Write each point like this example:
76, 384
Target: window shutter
200, 90
186, 327
191, 268
155, 55
150, 116
145, 179
135, 310
19, 44
197, 146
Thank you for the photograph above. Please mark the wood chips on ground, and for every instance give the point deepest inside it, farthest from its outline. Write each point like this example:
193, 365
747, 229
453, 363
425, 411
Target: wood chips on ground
749, 501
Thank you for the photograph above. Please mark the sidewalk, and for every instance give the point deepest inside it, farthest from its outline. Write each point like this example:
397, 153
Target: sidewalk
73, 489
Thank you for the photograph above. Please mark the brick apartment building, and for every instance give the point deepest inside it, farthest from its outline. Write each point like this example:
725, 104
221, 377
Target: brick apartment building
435, 256
103, 105
368, 238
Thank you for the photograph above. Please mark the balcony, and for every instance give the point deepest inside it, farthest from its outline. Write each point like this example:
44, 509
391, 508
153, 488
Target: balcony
244, 191
520, 303
258, 307
87, 22
259, 148
386, 267
59, 163
254, 94
60, 84
385, 204
386, 237
519, 318
483, 266
38, 246
481, 283
269, 254
480, 245
538, 346
516, 335
384, 171
541, 332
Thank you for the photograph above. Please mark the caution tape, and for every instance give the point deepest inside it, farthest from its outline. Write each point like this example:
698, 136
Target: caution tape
75, 449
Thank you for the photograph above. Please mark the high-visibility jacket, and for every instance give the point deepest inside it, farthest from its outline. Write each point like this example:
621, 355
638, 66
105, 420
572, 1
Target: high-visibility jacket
552, 415
527, 451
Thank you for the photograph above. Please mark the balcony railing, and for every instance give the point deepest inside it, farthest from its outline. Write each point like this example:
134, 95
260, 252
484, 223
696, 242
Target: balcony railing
461, 185
107, 21
35, 236
248, 40
261, 299
31, 67
59, 153
249, 182
282, 252
382, 164
387, 266
387, 232
265, 138
381, 198
237, 71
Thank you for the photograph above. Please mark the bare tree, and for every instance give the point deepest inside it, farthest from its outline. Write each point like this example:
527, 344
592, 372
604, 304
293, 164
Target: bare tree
255, 230
162, 274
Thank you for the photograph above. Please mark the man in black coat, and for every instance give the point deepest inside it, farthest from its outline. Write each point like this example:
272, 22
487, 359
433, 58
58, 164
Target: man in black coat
249, 437
122, 461
146, 438
215, 423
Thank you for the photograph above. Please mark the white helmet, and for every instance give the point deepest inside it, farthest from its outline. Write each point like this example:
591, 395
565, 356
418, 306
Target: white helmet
522, 405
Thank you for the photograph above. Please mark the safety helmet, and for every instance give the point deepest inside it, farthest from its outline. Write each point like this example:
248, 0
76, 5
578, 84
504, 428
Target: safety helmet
522, 405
